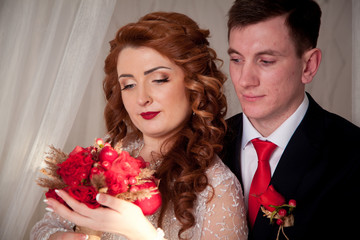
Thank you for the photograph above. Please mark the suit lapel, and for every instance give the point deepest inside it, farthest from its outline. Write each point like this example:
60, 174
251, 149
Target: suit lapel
300, 153
237, 166
231, 154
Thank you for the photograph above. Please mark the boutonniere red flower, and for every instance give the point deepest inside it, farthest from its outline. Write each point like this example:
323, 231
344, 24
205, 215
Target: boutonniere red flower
275, 207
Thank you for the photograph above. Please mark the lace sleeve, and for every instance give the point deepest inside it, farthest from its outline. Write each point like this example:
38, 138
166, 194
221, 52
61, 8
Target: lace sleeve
50, 224
224, 216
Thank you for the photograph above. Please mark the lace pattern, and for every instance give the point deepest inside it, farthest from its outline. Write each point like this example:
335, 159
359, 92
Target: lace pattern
223, 217
50, 224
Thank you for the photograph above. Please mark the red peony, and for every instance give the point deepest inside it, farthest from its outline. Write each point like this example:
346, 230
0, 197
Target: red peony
76, 168
271, 198
84, 194
126, 165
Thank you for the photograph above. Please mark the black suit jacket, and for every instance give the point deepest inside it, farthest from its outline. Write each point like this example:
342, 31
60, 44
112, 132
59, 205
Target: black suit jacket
320, 169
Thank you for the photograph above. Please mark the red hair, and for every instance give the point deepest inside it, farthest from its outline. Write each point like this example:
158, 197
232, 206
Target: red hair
183, 168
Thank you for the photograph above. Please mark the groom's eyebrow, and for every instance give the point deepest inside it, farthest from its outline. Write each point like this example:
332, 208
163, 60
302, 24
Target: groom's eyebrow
264, 52
231, 51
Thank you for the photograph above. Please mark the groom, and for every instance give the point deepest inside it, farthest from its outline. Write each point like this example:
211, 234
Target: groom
315, 158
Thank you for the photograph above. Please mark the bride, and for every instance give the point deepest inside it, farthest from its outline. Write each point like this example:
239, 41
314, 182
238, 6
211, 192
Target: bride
164, 103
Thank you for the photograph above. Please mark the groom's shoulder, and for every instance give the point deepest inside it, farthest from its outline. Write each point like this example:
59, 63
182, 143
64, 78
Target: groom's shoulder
329, 121
234, 125
340, 126
235, 121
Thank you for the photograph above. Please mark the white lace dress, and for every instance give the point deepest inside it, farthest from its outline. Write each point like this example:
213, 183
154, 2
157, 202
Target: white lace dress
224, 217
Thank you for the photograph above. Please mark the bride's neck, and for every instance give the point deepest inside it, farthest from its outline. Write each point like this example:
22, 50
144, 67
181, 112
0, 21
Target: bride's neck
152, 148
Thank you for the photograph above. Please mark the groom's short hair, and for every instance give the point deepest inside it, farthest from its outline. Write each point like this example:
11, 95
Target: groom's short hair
302, 18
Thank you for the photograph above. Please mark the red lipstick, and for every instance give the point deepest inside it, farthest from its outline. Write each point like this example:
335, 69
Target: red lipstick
149, 115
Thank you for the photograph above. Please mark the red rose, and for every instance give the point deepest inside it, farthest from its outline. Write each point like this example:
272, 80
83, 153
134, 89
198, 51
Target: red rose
84, 194
76, 168
126, 165
271, 197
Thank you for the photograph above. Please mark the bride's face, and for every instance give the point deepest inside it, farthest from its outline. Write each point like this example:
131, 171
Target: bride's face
153, 91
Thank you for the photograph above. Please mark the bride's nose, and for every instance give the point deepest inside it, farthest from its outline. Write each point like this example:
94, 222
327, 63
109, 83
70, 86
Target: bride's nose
144, 96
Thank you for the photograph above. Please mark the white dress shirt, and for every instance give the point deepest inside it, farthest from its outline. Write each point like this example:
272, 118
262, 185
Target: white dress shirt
281, 136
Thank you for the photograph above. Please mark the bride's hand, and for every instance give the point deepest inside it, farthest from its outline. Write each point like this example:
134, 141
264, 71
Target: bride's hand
121, 217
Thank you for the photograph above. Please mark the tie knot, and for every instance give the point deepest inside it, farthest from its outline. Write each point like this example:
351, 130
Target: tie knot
264, 149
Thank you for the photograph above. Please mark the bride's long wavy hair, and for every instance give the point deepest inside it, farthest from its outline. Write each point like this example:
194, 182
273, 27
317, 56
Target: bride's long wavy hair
183, 168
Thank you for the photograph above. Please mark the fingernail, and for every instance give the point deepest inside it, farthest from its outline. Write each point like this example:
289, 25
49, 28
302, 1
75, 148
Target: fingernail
49, 209
97, 196
45, 200
84, 237
58, 192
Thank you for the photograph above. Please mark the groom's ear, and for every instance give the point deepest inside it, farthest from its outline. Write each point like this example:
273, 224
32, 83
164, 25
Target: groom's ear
311, 63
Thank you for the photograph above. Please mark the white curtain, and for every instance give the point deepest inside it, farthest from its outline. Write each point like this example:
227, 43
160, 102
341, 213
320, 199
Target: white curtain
356, 62
48, 51
51, 71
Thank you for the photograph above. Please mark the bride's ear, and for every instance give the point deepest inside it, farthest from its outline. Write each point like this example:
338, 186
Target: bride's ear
311, 60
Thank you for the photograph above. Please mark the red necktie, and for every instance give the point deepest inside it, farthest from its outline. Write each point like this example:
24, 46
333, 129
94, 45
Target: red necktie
262, 176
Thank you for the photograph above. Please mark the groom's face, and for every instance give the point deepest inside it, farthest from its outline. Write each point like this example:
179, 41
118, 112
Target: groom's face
266, 71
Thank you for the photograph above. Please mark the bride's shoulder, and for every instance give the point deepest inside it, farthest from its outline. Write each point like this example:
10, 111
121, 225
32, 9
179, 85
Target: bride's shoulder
219, 173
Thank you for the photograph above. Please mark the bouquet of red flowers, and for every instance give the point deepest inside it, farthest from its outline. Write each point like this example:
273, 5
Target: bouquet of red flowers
100, 168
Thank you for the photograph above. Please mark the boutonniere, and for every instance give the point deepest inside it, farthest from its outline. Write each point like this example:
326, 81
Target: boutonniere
275, 208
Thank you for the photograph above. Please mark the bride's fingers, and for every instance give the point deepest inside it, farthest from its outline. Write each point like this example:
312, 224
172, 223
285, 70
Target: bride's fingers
75, 205
76, 217
129, 215
116, 204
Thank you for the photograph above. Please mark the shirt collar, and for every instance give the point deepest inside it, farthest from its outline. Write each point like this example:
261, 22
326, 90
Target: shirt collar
281, 136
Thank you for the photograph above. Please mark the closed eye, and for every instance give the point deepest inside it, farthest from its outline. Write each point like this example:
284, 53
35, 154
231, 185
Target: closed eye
266, 62
161, 80
128, 86
235, 60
